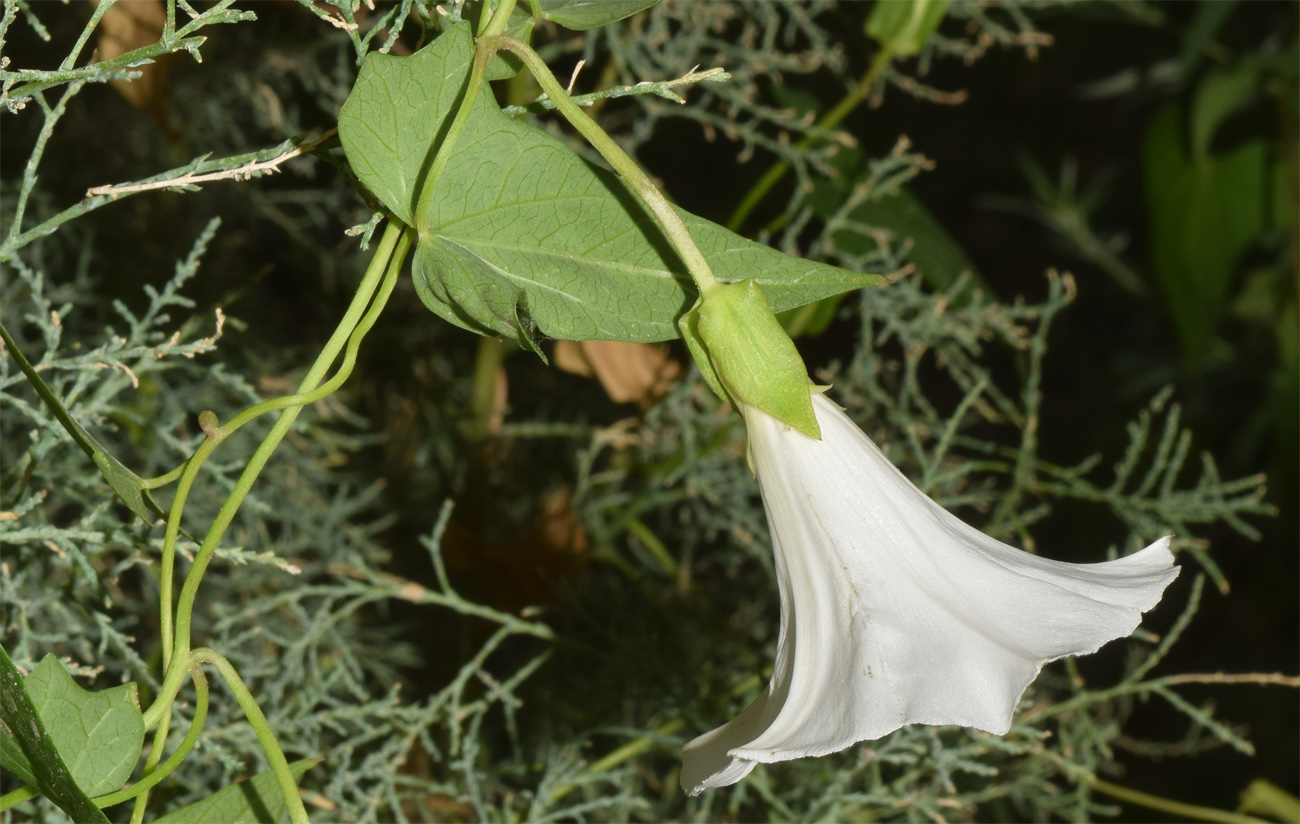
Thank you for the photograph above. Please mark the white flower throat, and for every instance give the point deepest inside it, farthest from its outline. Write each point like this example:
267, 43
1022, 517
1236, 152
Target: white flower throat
894, 612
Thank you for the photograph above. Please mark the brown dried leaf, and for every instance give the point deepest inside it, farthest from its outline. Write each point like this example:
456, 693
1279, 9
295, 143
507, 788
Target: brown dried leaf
569, 356
557, 527
520, 569
131, 25
639, 373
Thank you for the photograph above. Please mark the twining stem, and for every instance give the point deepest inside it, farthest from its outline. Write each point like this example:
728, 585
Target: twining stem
274, 755
483, 398
491, 21
377, 283
828, 121
369, 282
151, 778
155, 755
399, 241
472, 89
162, 480
24, 793
660, 209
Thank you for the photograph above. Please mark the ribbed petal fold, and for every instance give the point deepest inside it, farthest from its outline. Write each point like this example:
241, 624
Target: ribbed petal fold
894, 612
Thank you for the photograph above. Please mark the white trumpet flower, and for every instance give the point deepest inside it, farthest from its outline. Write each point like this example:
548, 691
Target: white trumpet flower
894, 612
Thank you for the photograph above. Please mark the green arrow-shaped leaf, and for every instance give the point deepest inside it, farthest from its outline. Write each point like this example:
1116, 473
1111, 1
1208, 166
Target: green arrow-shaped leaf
33, 736
98, 734
525, 238
255, 801
516, 207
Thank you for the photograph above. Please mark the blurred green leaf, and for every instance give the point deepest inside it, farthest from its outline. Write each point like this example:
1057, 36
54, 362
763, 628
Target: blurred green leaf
1209, 18
255, 801
1222, 92
581, 15
1205, 212
1263, 797
903, 27
44, 716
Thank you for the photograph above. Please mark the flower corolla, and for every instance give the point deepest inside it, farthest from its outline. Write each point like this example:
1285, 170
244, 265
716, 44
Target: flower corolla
895, 612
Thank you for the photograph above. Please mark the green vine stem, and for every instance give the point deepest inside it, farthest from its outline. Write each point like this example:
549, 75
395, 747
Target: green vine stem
379, 264
151, 763
150, 778
660, 209
372, 295
828, 121
483, 396
262, 728
292, 408
492, 21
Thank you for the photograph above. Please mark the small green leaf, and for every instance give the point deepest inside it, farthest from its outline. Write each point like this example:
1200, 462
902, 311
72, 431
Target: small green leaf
31, 752
581, 15
255, 801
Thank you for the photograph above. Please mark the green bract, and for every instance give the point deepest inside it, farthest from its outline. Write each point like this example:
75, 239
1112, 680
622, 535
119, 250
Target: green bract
747, 357
903, 27
522, 236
